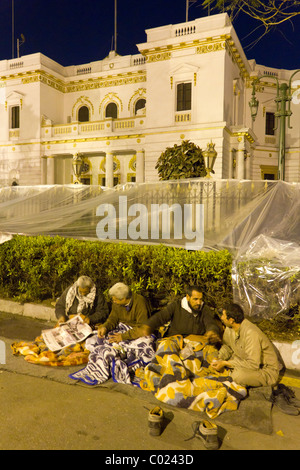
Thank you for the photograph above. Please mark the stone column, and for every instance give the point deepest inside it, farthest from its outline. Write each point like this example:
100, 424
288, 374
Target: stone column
140, 166
51, 170
248, 165
44, 169
240, 159
109, 170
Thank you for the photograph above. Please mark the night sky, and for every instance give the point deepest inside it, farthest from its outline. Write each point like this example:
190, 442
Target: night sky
74, 32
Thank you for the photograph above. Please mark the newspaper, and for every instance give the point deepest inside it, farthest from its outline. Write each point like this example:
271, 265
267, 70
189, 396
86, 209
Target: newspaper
67, 334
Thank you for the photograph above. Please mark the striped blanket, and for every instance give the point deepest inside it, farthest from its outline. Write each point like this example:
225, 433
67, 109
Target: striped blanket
180, 375
117, 360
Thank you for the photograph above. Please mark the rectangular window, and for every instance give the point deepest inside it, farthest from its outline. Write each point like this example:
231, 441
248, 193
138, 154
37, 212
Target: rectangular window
102, 180
270, 123
85, 180
15, 117
269, 172
269, 176
184, 96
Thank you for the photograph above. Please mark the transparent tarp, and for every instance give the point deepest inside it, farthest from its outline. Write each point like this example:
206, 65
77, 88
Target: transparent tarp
193, 214
266, 277
258, 221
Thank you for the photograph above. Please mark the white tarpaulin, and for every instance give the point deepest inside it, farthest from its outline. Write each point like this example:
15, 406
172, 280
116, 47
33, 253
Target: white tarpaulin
258, 221
194, 214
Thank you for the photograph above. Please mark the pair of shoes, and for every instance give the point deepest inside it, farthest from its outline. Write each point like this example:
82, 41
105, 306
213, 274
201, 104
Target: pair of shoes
208, 433
284, 398
155, 421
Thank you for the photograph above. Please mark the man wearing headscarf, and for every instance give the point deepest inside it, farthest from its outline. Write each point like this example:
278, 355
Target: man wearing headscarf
82, 298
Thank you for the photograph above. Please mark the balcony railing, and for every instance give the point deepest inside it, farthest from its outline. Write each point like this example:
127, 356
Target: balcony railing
108, 126
183, 117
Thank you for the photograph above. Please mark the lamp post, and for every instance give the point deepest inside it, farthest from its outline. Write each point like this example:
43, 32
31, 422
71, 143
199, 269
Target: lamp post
283, 97
77, 167
210, 155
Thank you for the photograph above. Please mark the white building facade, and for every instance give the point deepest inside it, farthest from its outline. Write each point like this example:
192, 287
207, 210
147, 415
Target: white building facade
190, 81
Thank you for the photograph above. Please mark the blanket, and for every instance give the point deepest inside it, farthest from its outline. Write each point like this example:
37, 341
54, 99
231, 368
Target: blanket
180, 375
37, 352
116, 360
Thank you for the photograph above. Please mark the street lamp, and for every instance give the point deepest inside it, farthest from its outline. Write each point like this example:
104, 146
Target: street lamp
77, 167
210, 155
283, 96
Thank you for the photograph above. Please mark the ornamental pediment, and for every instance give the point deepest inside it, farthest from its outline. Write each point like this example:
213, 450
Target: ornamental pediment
14, 96
184, 69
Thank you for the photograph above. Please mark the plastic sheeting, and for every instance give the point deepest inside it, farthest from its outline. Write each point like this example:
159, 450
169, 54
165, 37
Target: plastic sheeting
193, 214
266, 277
258, 221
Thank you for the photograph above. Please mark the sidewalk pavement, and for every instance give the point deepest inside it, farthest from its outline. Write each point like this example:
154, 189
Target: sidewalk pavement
255, 425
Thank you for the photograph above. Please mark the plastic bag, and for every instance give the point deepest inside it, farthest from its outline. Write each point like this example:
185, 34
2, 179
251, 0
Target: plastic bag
266, 277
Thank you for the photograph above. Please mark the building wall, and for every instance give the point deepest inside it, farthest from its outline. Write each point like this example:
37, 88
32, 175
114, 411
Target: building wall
205, 52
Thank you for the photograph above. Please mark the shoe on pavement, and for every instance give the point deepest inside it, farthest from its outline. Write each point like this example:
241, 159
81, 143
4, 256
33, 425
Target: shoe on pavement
289, 394
283, 404
155, 421
208, 433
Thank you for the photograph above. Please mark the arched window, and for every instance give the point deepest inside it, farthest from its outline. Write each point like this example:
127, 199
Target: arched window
111, 111
83, 114
140, 104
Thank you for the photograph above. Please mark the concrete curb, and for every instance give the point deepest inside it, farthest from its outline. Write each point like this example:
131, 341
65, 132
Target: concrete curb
289, 352
37, 311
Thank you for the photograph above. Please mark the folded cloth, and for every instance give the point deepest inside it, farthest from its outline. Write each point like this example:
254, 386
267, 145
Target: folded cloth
37, 352
116, 360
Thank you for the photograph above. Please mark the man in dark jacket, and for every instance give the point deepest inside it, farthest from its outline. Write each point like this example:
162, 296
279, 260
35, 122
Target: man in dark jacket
188, 316
82, 298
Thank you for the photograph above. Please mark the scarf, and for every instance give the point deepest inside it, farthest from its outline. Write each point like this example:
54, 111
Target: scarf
84, 301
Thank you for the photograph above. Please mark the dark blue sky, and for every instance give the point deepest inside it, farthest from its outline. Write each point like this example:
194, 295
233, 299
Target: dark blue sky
74, 32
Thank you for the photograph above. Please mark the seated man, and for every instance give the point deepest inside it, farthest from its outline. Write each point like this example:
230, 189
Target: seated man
83, 298
246, 351
188, 316
128, 308
129, 312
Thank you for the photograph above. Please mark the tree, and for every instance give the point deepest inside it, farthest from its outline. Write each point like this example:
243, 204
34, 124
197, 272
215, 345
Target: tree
269, 13
181, 161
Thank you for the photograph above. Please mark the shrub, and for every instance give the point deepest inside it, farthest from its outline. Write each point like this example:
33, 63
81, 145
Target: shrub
181, 161
39, 268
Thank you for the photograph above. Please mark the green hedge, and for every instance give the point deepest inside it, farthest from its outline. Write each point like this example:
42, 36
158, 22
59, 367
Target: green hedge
38, 268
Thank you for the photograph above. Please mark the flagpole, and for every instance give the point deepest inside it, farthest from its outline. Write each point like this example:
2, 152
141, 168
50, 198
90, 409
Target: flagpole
187, 11
115, 25
12, 29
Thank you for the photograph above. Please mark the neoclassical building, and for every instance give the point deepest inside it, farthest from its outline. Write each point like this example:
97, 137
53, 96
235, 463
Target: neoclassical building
190, 81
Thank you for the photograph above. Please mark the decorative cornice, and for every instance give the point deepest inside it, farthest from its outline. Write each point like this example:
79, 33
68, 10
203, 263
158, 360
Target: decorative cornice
202, 46
158, 56
211, 46
75, 86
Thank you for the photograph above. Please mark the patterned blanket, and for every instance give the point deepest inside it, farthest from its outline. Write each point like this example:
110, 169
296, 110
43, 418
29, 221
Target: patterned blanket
180, 375
117, 360
37, 352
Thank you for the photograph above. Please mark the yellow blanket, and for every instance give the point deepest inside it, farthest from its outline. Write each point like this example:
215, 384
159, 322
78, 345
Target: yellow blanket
38, 353
180, 375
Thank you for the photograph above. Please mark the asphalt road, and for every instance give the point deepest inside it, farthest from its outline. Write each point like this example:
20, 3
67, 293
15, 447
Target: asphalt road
43, 409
